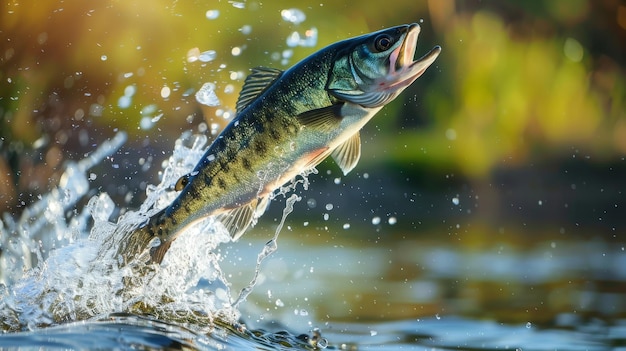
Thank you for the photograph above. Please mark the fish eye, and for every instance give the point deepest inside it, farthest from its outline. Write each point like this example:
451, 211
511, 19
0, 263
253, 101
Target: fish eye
382, 42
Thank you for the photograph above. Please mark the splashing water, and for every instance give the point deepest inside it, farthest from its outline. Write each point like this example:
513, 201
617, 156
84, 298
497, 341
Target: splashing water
56, 270
293, 15
25, 242
268, 249
206, 95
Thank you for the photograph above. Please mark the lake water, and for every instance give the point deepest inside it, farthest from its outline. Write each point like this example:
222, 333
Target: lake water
401, 254
332, 283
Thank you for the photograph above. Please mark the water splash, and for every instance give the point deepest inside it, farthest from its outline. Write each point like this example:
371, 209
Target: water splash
267, 251
293, 15
27, 241
306, 39
206, 95
74, 273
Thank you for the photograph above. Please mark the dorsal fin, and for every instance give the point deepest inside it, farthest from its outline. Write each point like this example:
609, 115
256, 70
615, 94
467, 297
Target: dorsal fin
255, 84
347, 155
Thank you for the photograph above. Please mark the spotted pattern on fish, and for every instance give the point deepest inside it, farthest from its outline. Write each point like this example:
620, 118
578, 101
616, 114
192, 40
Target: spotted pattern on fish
286, 123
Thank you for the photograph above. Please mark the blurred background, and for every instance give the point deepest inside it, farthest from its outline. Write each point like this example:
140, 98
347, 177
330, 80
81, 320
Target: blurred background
512, 143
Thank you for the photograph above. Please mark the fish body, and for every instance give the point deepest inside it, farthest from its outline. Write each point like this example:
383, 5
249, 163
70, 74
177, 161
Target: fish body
287, 122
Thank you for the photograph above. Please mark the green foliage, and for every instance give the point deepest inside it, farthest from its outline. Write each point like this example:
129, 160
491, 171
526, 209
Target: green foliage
514, 81
501, 99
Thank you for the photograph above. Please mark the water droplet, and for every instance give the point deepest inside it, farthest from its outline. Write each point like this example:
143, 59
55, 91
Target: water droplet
529, 325
238, 5
455, 200
192, 55
165, 92
312, 203
212, 14
246, 29
236, 51
293, 15
346, 226
101, 207
229, 89
293, 39
329, 207
322, 343
96, 110
130, 90
103, 57
308, 39
392, 220
156, 118
214, 128
206, 95
376, 220
207, 56
124, 101
287, 53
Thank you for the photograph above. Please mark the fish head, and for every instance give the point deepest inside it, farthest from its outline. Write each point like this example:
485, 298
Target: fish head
371, 70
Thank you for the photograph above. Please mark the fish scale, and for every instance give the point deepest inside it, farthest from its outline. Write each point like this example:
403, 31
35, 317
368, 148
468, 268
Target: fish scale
287, 123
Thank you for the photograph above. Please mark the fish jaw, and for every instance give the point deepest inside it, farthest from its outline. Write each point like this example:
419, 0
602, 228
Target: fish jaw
372, 78
403, 70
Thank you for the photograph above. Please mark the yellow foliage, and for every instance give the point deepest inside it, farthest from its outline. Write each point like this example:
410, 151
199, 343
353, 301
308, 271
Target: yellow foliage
509, 94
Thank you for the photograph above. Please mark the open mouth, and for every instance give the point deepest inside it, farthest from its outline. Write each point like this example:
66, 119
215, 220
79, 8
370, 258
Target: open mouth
402, 67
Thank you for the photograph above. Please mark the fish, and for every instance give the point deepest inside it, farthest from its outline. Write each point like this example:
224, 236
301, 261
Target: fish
286, 123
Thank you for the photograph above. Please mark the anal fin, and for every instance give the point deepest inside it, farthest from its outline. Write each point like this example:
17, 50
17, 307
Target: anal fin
237, 220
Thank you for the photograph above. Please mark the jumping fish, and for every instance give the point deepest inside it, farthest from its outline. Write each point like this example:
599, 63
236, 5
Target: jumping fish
287, 122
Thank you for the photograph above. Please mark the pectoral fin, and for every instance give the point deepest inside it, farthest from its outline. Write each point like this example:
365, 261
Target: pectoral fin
323, 119
239, 219
347, 155
317, 159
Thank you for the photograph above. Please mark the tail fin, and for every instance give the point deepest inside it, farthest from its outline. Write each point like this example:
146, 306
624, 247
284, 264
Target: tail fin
157, 253
139, 240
